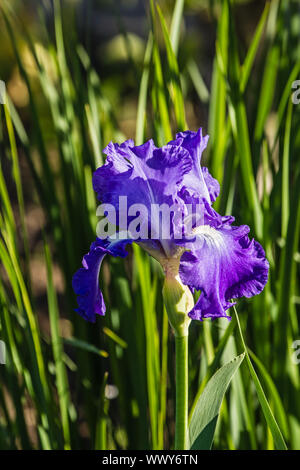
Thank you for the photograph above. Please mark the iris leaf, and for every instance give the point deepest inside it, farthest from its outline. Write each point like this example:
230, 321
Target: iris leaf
274, 428
205, 416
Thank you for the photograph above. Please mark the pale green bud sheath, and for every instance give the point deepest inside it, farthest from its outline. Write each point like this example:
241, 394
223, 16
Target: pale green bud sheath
179, 301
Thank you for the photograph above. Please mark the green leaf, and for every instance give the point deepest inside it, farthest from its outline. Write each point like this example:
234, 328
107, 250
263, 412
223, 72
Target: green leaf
78, 343
176, 92
217, 104
176, 23
274, 428
205, 416
62, 383
274, 394
251, 54
240, 130
198, 81
142, 102
112, 335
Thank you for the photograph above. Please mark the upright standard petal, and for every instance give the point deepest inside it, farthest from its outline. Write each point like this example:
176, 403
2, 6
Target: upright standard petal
194, 181
86, 280
212, 184
223, 264
145, 174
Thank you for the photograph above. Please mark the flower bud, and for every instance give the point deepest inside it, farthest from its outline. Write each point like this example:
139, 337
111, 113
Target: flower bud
178, 300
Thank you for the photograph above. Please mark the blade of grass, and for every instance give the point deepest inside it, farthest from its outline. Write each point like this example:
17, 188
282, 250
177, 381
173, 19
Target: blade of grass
274, 428
285, 193
217, 105
57, 347
282, 420
174, 76
142, 102
252, 51
175, 26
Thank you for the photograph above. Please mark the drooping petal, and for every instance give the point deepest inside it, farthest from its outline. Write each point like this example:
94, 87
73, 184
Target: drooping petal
223, 264
85, 281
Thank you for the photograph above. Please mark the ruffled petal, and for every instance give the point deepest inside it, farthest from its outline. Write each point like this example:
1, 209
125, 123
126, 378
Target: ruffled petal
212, 184
223, 264
145, 174
194, 181
85, 281
194, 142
166, 165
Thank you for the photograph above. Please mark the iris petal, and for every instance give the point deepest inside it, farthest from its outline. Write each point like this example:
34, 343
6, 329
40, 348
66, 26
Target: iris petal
194, 181
86, 280
144, 174
211, 183
223, 263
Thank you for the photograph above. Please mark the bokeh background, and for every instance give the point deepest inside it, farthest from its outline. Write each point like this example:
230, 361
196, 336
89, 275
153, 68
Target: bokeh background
78, 74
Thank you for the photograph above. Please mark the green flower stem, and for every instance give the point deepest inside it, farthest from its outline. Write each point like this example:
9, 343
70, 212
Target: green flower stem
181, 426
178, 301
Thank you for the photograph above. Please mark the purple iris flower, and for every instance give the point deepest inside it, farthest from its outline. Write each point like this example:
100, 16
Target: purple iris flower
218, 258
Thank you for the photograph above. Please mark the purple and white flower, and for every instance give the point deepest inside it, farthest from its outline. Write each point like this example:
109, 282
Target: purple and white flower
216, 258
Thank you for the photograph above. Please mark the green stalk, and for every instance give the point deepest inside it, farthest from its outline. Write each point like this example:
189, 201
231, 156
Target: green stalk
181, 424
178, 301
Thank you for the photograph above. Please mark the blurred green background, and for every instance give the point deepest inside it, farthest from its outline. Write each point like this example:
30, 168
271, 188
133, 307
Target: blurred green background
79, 74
